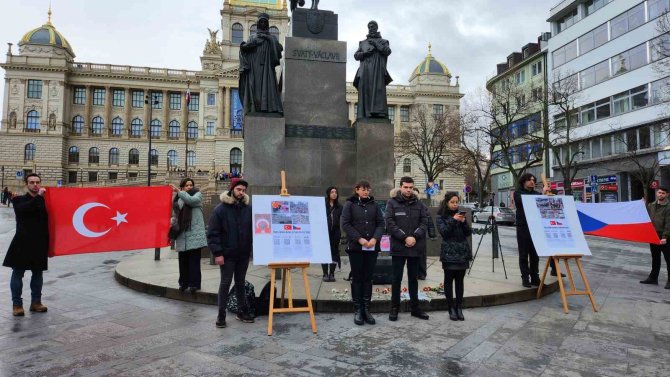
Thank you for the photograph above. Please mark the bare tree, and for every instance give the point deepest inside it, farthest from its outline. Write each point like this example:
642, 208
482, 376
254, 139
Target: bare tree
478, 149
660, 47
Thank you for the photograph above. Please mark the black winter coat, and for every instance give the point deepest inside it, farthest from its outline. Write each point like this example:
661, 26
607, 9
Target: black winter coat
521, 223
229, 231
455, 247
334, 214
361, 219
406, 217
30, 245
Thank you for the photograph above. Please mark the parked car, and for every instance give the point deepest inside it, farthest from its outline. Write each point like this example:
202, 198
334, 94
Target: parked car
473, 207
503, 215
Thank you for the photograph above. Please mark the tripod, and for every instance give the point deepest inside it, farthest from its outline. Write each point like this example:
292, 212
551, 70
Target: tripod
496, 247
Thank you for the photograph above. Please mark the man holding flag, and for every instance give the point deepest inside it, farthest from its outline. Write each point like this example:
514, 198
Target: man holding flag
659, 212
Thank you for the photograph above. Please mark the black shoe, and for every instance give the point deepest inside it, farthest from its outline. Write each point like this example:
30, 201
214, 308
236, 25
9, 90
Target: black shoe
667, 285
534, 282
459, 312
192, 290
452, 313
553, 273
649, 281
525, 282
359, 317
331, 278
420, 314
182, 288
421, 277
325, 278
393, 315
244, 317
369, 319
220, 323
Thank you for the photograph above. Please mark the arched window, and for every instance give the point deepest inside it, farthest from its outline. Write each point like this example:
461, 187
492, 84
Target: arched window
153, 157
134, 157
192, 130
96, 126
156, 126
237, 33
33, 121
117, 126
274, 31
235, 160
114, 156
407, 165
136, 128
173, 130
252, 30
172, 158
93, 156
190, 157
29, 152
73, 155
77, 125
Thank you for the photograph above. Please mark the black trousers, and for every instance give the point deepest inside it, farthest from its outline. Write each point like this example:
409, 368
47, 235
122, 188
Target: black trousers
362, 266
528, 259
189, 268
423, 266
412, 282
656, 251
451, 277
232, 269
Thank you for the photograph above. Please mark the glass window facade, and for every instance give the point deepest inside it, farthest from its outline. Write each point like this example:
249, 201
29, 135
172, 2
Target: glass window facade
99, 97
34, 89
117, 127
114, 156
97, 124
138, 99
175, 101
79, 96
93, 156
118, 98
133, 156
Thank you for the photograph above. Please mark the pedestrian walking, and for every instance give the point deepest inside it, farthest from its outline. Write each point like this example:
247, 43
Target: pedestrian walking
659, 213
187, 213
5, 195
333, 214
30, 245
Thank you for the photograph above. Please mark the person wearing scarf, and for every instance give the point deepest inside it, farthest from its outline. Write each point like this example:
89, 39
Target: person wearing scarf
187, 212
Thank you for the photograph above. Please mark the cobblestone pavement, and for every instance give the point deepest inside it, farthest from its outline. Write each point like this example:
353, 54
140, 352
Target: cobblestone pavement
96, 327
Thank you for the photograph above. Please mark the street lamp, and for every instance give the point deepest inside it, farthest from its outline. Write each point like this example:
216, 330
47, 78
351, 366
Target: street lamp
151, 104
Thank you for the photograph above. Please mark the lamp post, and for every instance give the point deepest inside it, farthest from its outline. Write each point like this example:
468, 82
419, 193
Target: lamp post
151, 101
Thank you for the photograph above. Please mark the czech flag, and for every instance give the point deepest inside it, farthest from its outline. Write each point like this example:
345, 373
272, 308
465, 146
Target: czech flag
628, 221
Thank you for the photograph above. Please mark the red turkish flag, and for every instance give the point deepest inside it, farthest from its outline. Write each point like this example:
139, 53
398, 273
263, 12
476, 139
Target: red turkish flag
93, 220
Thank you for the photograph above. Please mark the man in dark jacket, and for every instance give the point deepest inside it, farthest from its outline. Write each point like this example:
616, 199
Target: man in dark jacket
407, 222
229, 239
659, 213
29, 247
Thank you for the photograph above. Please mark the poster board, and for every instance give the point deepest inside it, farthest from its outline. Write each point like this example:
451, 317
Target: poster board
554, 225
290, 229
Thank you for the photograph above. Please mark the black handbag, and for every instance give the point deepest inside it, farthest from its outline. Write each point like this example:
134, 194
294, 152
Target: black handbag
174, 231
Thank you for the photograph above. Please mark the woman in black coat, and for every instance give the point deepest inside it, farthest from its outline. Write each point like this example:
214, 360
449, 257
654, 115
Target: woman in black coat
455, 252
363, 223
333, 213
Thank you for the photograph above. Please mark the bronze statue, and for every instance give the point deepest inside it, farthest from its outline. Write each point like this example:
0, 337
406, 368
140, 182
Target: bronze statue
259, 56
295, 3
372, 77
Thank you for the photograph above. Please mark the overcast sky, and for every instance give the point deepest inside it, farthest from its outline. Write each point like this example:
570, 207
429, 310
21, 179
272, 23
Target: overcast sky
469, 36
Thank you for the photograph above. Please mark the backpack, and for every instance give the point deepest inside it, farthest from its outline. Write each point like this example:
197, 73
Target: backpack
234, 307
264, 300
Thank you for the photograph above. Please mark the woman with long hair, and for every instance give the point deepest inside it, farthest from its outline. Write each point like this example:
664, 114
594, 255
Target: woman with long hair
333, 213
187, 212
456, 252
363, 223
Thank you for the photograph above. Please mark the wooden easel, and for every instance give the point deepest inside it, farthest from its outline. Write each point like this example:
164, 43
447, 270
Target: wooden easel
573, 291
286, 277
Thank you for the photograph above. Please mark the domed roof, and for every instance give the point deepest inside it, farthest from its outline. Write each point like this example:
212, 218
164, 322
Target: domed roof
46, 35
430, 66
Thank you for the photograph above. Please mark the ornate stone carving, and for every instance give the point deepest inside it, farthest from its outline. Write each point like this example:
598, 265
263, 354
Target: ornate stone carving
212, 46
53, 90
52, 121
15, 89
12, 119
210, 66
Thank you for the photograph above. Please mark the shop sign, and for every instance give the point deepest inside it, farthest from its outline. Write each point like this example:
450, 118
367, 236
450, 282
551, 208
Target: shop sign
606, 179
610, 187
655, 184
577, 183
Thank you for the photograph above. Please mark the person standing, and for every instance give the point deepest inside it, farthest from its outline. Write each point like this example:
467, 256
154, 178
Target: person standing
659, 213
455, 253
333, 213
30, 245
407, 222
5, 195
363, 223
187, 211
229, 238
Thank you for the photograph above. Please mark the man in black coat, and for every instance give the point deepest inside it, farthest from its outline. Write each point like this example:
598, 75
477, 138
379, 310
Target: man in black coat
229, 239
407, 222
30, 245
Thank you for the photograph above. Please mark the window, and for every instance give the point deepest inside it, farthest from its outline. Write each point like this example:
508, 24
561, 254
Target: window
156, 129
536, 68
644, 135
79, 97
237, 33
407, 165
404, 113
235, 160
113, 176
660, 47
73, 155
593, 5
175, 101
93, 176
660, 135
520, 77
587, 78
153, 157
132, 176
558, 57
192, 130
274, 31
595, 148
29, 152
96, 126
118, 98
136, 128
211, 99
657, 7
603, 108
536, 94
33, 121
621, 103
156, 99
173, 130
570, 51
567, 20
438, 111
588, 113
660, 90
627, 21
631, 140
639, 97
634, 58
117, 127
601, 71
607, 145
138, 99
99, 97
134, 157
77, 125
114, 156
172, 158
210, 127
72, 177
391, 113
34, 89
194, 105
190, 158
93, 156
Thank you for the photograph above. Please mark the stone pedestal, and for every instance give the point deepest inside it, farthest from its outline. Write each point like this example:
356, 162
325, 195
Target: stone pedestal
316, 24
374, 152
263, 153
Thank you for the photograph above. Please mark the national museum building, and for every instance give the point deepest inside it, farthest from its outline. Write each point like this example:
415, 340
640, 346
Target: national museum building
79, 123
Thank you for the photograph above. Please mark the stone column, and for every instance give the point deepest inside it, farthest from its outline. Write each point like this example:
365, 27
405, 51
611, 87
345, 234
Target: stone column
127, 111
109, 98
221, 110
88, 109
166, 113
147, 107
44, 113
226, 107
5, 106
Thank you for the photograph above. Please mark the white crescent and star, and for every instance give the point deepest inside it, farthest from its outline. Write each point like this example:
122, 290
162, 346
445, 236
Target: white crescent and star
80, 227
